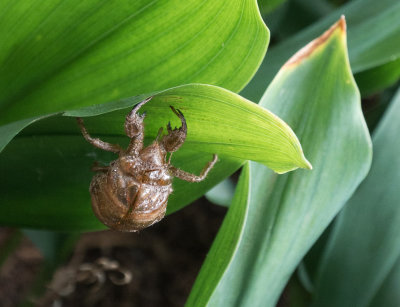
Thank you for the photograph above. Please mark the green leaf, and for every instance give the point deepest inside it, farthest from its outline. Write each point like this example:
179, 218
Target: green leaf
56, 165
240, 128
364, 246
63, 55
9, 131
373, 40
316, 93
225, 244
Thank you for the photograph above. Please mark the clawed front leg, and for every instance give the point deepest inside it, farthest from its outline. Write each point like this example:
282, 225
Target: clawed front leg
191, 177
176, 137
95, 141
134, 128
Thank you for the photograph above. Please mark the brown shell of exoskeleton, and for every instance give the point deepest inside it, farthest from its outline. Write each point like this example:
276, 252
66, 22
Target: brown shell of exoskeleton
132, 192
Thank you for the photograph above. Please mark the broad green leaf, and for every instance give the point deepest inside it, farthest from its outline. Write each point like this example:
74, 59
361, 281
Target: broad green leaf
364, 246
59, 55
233, 120
48, 174
374, 32
316, 93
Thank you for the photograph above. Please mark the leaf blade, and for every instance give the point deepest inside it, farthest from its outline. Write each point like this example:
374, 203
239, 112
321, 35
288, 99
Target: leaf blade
56, 160
288, 213
225, 244
73, 54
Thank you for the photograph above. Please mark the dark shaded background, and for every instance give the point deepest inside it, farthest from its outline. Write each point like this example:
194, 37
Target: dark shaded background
164, 261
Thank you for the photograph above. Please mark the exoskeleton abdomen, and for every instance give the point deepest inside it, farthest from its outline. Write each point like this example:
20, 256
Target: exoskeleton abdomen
125, 203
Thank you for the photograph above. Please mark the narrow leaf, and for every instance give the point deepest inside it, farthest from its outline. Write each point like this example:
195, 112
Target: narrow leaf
224, 246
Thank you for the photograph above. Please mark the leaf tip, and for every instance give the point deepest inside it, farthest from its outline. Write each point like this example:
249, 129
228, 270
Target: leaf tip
310, 48
306, 164
341, 24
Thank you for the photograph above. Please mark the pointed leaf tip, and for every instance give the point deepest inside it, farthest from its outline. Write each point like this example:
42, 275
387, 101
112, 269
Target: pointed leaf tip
306, 164
309, 49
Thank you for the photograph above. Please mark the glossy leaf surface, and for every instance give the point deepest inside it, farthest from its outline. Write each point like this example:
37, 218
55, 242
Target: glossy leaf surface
63, 55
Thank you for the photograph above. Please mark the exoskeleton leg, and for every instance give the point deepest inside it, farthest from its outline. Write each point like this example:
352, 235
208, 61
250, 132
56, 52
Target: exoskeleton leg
134, 128
98, 168
176, 137
95, 141
191, 177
